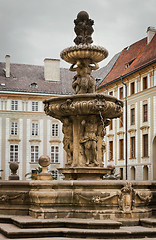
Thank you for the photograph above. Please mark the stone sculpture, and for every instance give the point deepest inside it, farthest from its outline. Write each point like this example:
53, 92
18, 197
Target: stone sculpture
83, 81
86, 114
89, 140
68, 139
83, 28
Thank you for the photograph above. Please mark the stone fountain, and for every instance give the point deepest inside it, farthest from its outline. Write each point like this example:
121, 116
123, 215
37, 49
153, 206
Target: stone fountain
86, 114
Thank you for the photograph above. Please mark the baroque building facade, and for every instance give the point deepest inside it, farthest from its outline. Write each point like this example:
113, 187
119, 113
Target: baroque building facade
26, 132
134, 69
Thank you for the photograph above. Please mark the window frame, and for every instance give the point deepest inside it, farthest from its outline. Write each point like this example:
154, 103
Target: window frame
121, 92
121, 149
132, 147
55, 130
145, 112
145, 83
35, 106
14, 128
55, 154
132, 116
35, 129
111, 150
14, 105
145, 145
14, 152
132, 88
34, 154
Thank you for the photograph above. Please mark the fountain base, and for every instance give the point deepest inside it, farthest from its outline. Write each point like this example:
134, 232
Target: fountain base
92, 173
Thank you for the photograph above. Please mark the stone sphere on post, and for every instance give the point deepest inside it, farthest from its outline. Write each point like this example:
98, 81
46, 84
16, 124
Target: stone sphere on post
13, 167
44, 162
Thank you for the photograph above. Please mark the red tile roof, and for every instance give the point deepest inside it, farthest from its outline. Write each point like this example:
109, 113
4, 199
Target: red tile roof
137, 55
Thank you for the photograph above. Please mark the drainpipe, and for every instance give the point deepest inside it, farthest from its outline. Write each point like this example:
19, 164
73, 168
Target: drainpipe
126, 158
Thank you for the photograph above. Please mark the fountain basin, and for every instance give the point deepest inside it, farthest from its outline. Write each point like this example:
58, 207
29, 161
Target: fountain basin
84, 104
84, 51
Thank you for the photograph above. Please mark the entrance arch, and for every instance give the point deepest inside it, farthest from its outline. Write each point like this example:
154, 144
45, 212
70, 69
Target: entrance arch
154, 158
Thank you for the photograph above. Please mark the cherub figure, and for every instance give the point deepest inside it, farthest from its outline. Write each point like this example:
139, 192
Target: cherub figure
83, 81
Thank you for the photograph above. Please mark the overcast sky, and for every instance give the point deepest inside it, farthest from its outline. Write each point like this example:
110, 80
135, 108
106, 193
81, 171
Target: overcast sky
31, 30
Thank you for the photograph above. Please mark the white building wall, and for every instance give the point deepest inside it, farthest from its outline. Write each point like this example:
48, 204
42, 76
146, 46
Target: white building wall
20, 145
28, 149
41, 137
7, 150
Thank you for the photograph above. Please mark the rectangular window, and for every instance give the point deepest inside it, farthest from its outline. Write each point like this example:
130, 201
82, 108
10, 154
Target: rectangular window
13, 153
132, 88
144, 83
121, 92
55, 174
111, 93
14, 105
34, 129
111, 124
121, 149
132, 149
121, 121
145, 112
121, 173
54, 154
145, 145
34, 153
132, 116
54, 130
35, 106
110, 150
14, 128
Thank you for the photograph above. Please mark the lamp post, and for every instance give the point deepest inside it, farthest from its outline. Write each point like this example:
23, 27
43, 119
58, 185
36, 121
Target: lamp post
125, 125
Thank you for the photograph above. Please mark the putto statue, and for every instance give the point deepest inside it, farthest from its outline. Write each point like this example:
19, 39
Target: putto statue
83, 28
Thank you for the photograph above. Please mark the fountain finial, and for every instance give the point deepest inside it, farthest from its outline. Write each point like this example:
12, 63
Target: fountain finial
83, 28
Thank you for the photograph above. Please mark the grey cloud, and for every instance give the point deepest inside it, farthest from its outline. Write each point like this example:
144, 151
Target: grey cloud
34, 29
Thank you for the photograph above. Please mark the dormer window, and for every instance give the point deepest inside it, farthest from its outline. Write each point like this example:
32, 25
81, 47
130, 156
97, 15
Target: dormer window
129, 63
34, 85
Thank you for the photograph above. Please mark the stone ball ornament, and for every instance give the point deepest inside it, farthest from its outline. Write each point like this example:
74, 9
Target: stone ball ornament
44, 161
14, 167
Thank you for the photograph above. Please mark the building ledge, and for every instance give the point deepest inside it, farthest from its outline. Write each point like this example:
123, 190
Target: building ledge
144, 127
35, 140
15, 140
55, 140
110, 135
120, 133
132, 130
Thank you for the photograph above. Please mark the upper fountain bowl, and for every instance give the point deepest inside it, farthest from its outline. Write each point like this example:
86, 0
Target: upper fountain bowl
84, 51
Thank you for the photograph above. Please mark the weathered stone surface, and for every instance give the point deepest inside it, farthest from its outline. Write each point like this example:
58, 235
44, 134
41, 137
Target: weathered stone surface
84, 119
78, 199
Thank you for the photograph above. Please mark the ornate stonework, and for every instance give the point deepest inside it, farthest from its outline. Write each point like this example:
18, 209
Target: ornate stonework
86, 114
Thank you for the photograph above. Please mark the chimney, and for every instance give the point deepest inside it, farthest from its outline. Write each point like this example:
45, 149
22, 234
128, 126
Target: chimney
150, 34
52, 69
7, 65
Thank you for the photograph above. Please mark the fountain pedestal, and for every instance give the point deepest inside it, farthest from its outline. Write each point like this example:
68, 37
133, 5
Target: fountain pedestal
84, 118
